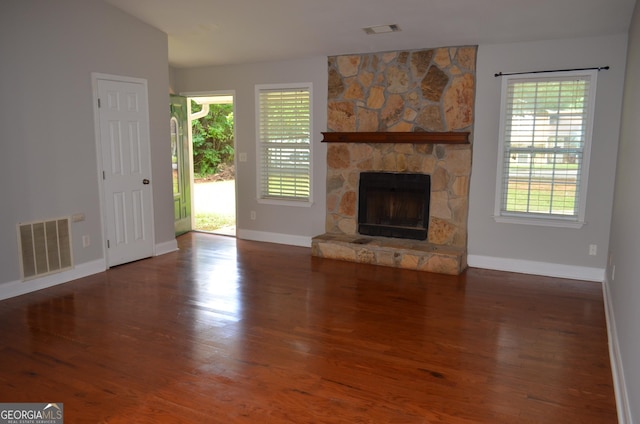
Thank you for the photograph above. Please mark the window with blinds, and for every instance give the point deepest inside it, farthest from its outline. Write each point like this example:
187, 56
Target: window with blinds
284, 137
545, 140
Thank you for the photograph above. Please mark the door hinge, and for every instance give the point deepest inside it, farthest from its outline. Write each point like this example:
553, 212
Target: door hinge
104, 175
98, 103
108, 245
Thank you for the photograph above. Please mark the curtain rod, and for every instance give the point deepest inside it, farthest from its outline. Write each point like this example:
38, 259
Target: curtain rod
601, 68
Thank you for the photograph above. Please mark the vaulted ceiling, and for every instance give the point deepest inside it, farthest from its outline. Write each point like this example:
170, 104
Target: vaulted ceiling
215, 32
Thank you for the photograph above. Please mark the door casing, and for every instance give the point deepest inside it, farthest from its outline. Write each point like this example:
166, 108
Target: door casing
224, 96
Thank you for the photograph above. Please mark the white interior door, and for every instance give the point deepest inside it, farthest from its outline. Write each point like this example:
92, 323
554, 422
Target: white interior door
125, 150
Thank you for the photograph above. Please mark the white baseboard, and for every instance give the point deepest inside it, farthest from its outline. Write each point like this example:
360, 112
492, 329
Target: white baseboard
619, 384
166, 247
537, 268
17, 288
279, 238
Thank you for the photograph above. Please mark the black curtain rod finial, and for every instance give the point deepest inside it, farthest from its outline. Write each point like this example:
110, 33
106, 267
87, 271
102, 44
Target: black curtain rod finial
601, 68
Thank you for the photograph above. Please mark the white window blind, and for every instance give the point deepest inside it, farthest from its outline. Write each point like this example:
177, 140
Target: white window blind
545, 140
284, 132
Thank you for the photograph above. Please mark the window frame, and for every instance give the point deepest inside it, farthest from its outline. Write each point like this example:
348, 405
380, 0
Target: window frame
546, 219
302, 202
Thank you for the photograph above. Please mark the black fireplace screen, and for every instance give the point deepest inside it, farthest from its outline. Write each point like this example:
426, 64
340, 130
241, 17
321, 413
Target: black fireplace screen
394, 205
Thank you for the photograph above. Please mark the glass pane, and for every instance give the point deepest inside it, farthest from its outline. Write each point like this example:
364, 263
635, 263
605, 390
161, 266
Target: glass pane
540, 182
175, 152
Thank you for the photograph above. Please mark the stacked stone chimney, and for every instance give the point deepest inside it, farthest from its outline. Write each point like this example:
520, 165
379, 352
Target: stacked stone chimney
429, 90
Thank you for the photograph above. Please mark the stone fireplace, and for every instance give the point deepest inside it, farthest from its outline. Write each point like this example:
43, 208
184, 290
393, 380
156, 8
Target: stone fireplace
408, 113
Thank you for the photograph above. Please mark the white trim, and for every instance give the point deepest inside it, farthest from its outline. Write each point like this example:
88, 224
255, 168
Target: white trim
619, 384
302, 241
213, 93
18, 288
189, 95
537, 268
96, 127
166, 247
542, 222
294, 203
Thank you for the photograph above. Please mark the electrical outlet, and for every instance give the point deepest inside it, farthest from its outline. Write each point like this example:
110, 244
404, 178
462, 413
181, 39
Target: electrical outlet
86, 241
77, 217
593, 249
242, 157
253, 215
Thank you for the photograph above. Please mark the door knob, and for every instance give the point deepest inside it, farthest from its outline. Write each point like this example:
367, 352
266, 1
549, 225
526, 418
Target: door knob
145, 181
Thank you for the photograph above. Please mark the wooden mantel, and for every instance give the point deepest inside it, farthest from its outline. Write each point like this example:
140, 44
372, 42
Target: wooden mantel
397, 137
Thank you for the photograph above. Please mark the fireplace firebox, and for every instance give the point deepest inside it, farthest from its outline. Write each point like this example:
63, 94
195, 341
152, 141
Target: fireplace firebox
394, 205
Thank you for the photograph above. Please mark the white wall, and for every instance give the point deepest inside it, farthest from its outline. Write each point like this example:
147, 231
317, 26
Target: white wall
282, 224
623, 286
560, 252
535, 249
48, 165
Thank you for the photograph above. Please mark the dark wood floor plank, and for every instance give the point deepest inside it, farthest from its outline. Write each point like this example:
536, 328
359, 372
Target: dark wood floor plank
227, 331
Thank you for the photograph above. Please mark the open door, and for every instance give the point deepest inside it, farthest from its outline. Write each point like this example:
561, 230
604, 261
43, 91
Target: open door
180, 155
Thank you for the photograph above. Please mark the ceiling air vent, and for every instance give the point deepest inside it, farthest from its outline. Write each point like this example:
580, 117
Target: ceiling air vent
381, 29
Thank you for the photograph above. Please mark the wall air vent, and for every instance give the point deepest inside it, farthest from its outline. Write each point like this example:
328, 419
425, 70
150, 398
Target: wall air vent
45, 247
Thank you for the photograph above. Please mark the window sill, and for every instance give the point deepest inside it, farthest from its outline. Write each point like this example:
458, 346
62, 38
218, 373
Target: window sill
541, 222
295, 203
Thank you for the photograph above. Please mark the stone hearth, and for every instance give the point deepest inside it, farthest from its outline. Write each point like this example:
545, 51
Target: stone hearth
393, 252
410, 91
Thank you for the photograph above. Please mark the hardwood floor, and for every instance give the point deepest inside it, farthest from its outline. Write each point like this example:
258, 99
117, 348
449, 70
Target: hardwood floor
247, 332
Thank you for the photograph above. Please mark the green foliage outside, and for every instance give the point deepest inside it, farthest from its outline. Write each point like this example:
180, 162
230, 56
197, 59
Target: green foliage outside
212, 138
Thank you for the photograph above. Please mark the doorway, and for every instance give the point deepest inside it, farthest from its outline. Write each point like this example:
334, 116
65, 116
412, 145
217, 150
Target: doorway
211, 135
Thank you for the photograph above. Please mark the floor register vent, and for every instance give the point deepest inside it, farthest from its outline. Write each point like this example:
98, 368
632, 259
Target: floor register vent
45, 247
